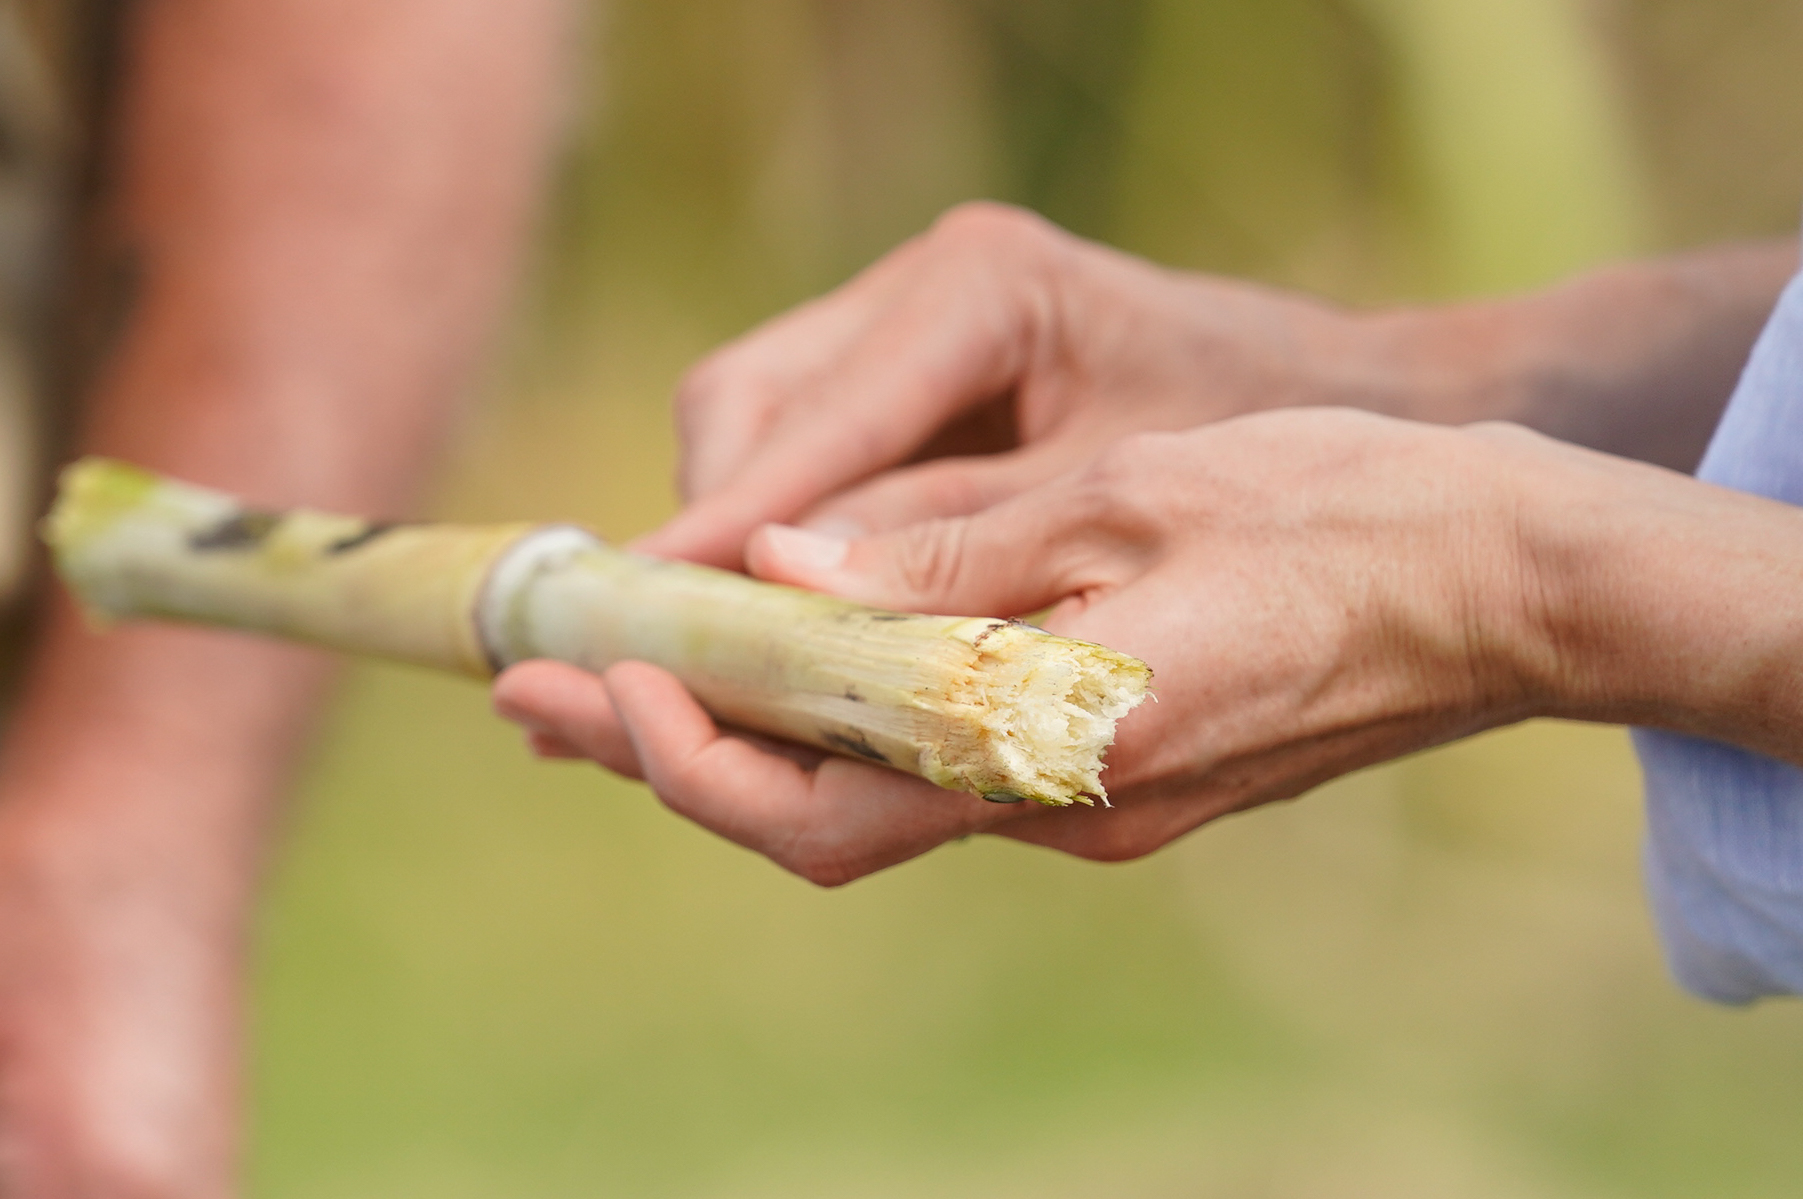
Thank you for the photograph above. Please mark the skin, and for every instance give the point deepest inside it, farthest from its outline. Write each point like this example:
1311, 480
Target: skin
996, 352
1316, 588
289, 174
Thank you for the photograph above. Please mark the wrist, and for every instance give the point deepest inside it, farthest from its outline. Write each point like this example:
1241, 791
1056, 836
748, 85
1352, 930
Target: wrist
1664, 602
1452, 364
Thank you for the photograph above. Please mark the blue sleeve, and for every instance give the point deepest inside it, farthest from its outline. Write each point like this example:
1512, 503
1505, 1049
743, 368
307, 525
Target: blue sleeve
1724, 853
1724, 863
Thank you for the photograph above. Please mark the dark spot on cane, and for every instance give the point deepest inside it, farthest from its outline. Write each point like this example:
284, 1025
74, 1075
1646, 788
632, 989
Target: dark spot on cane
241, 531
854, 697
345, 545
854, 744
885, 617
1000, 624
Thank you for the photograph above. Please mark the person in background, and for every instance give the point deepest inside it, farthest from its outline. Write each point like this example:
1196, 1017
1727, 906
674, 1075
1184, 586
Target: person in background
1337, 537
300, 220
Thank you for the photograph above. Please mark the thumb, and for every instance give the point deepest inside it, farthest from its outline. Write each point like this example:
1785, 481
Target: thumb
1005, 561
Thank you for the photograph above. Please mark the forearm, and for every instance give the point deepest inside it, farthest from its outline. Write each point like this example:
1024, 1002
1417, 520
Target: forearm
1661, 601
1635, 360
319, 212
1720, 645
166, 740
315, 211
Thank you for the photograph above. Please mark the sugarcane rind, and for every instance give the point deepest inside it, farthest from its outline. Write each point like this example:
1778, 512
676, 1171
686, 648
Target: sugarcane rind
997, 708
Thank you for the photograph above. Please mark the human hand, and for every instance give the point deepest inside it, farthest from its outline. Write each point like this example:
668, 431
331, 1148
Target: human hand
996, 352
992, 353
1316, 591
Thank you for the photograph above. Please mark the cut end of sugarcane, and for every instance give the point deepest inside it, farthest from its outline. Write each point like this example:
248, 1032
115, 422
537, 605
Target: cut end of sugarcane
1047, 712
94, 496
91, 496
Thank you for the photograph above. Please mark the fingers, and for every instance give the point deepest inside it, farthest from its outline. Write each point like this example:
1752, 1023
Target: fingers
953, 322
725, 403
549, 745
826, 819
1119, 834
566, 713
831, 824
872, 412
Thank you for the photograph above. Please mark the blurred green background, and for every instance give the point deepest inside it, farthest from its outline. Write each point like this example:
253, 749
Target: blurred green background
485, 976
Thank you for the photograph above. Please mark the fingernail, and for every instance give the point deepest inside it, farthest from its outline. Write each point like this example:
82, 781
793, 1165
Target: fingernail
836, 526
805, 549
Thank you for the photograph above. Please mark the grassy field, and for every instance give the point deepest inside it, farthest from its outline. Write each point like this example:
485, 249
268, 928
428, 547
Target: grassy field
483, 976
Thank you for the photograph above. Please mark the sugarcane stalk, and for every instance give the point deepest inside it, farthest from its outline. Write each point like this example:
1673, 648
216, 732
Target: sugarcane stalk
994, 707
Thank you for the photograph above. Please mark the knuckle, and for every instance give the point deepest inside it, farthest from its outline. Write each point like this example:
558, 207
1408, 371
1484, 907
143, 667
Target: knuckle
1121, 490
1138, 831
823, 869
1129, 457
985, 225
928, 558
703, 382
1099, 487
953, 487
1507, 432
735, 376
1116, 844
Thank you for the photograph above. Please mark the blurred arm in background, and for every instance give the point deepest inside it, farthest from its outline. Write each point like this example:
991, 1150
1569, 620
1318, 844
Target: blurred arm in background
318, 208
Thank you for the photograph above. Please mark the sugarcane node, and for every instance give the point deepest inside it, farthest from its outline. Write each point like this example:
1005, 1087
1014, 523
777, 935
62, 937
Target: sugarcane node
1000, 624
